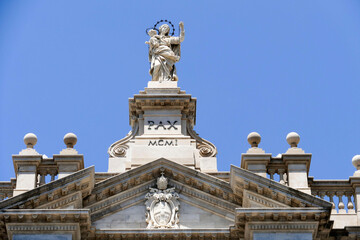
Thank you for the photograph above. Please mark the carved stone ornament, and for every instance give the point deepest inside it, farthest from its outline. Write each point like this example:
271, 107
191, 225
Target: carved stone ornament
119, 148
205, 147
162, 206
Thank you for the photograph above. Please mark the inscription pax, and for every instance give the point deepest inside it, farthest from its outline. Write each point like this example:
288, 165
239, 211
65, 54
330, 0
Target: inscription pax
166, 125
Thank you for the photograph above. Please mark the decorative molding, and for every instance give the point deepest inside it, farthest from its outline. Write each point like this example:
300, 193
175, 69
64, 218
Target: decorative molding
118, 198
200, 195
261, 200
283, 226
42, 228
62, 202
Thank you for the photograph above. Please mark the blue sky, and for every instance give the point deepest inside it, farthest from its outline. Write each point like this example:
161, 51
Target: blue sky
266, 66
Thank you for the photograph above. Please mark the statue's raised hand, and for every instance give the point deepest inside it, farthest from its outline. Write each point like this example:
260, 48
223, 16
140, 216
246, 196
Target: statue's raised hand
181, 25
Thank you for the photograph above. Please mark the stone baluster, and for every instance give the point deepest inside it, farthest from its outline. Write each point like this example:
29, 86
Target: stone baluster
43, 174
350, 205
37, 180
281, 174
52, 173
52, 177
331, 199
341, 204
271, 173
322, 194
285, 175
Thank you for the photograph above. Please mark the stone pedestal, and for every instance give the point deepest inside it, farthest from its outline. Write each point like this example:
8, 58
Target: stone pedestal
162, 119
256, 162
26, 172
68, 164
298, 164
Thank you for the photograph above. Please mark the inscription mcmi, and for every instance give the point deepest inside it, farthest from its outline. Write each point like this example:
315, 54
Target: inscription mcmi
163, 142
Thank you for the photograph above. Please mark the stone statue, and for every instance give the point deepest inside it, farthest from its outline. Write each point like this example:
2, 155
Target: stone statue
164, 52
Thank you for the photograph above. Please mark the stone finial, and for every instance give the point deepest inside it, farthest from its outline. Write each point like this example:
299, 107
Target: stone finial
70, 140
293, 139
356, 163
30, 140
254, 139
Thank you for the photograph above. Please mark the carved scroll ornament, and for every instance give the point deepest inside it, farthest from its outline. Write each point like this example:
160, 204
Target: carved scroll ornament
119, 148
206, 148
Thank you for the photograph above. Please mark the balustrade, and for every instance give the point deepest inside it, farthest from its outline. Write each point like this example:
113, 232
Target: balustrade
280, 172
339, 192
48, 168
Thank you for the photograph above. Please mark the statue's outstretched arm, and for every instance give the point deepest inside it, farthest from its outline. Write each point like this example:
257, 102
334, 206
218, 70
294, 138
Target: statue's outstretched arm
182, 31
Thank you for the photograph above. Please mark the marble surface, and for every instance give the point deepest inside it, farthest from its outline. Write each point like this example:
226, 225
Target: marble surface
42, 237
282, 236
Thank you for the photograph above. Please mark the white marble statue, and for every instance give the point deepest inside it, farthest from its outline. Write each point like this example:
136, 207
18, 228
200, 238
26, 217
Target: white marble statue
164, 52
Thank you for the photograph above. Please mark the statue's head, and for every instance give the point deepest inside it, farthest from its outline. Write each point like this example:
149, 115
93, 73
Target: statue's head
164, 29
152, 32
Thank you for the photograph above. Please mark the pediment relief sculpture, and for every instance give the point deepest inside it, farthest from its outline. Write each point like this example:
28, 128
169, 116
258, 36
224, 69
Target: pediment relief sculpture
162, 206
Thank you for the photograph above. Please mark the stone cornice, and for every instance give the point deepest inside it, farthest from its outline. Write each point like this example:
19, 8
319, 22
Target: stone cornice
314, 220
220, 233
242, 179
151, 171
71, 199
79, 181
264, 214
144, 101
109, 205
201, 197
35, 215
101, 176
101, 205
22, 221
323, 186
260, 200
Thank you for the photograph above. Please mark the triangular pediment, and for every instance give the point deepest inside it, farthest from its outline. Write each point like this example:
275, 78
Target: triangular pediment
191, 216
128, 189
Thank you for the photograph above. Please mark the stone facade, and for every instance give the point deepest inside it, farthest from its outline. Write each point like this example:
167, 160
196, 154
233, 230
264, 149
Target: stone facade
163, 183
